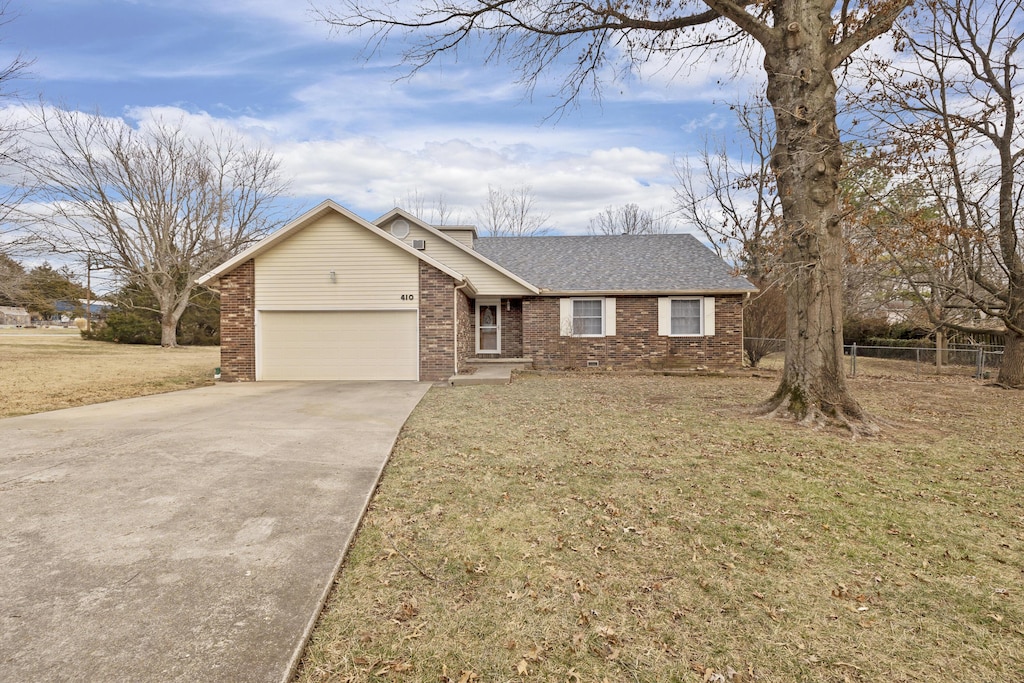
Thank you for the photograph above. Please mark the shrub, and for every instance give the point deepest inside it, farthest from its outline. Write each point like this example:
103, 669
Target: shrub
126, 327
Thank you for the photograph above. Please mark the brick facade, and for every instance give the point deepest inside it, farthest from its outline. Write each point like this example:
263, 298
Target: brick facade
636, 343
238, 324
530, 327
437, 324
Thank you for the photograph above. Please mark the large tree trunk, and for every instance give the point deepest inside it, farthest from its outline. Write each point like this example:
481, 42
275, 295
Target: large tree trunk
172, 307
806, 161
168, 330
1011, 369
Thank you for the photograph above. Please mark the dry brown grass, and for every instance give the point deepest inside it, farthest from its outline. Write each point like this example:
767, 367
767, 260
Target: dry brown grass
590, 527
51, 368
886, 368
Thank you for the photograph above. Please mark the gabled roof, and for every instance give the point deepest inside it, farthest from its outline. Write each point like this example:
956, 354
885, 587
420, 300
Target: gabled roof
310, 217
597, 264
670, 264
401, 213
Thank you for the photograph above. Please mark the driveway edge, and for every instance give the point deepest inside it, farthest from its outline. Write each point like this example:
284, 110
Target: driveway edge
307, 633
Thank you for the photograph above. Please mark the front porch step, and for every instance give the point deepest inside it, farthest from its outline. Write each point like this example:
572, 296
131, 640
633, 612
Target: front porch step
499, 361
487, 373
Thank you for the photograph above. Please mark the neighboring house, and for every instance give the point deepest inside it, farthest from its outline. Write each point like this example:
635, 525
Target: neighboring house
96, 309
14, 315
332, 296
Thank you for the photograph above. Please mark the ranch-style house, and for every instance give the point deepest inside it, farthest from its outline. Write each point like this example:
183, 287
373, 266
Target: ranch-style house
331, 296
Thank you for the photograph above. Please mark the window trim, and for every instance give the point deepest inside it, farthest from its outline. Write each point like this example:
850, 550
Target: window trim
572, 312
700, 316
707, 318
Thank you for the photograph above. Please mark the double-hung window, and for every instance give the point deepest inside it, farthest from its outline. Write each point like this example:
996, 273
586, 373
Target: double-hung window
686, 317
587, 317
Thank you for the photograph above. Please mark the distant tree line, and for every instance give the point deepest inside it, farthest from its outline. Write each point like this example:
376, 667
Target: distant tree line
130, 315
39, 289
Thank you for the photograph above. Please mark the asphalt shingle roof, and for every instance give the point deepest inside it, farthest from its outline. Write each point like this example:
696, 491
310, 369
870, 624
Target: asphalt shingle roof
614, 263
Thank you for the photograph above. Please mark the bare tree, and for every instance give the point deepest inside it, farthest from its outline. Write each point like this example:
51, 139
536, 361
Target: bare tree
764, 321
804, 41
954, 108
887, 271
435, 212
13, 183
157, 206
733, 200
12, 280
511, 213
630, 219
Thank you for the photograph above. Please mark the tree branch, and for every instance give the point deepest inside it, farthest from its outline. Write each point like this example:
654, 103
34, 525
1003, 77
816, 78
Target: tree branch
736, 12
879, 23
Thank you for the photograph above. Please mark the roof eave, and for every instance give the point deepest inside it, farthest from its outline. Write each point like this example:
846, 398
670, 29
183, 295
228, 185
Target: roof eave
645, 292
458, 245
305, 219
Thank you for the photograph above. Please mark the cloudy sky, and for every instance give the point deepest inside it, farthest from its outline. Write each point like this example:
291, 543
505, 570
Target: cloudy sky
350, 128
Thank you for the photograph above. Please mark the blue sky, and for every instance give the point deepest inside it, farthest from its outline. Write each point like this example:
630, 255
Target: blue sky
353, 130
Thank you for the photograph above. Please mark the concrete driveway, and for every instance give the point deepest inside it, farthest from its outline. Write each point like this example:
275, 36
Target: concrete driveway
184, 536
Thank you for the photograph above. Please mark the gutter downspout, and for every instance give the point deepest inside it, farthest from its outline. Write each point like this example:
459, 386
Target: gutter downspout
455, 315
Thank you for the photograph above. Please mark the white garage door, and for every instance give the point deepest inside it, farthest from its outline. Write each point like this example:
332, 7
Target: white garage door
338, 345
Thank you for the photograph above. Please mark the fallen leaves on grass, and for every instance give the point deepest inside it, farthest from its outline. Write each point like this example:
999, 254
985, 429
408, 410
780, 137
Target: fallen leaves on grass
590, 539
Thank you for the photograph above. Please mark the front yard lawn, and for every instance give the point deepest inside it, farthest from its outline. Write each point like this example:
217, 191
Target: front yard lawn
590, 527
51, 368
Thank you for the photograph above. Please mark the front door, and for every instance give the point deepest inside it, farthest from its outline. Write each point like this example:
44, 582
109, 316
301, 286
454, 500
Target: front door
488, 321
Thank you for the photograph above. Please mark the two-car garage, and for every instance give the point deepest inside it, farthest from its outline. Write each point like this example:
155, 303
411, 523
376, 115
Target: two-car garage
337, 345
333, 297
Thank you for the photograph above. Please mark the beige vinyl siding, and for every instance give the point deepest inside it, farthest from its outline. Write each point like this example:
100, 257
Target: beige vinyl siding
369, 272
460, 235
338, 345
487, 280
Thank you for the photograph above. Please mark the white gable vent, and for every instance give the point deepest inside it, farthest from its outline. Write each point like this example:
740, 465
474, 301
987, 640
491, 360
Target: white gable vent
400, 228
419, 244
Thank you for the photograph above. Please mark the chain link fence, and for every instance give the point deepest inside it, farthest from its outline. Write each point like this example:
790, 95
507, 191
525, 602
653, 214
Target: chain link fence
980, 361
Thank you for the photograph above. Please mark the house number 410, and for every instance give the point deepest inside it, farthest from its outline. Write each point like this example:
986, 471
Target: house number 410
408, 297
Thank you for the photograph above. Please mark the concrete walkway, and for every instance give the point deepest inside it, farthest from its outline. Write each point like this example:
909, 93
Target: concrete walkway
184, 537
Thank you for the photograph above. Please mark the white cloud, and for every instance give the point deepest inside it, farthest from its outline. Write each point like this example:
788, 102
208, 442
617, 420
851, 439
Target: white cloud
572, 178
293, 15
348, 130
371, 174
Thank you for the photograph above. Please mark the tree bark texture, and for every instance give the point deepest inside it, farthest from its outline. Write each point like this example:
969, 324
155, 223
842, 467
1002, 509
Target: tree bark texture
806, 160
168, 331
1011, 369
172, 306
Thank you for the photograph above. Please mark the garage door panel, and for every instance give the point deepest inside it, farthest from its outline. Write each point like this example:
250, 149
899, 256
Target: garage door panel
339, 345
